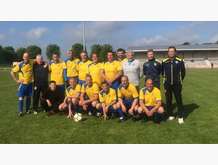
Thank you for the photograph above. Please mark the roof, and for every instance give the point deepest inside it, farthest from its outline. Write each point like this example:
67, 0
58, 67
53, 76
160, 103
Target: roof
178, 47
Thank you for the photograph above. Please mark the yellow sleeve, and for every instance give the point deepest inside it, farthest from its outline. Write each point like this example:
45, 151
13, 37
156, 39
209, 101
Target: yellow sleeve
113, 95
134, 92
15, 68
101, 98
119, 93
119, 66
82, 89
157, 94
141, 95
67, 93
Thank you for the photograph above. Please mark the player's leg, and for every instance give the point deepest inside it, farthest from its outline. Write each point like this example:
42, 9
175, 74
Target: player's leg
158, 116
168, 95
93, 104
28, 94
117, 108
36, 96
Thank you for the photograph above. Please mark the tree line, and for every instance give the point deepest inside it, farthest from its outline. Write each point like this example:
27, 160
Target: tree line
9, 54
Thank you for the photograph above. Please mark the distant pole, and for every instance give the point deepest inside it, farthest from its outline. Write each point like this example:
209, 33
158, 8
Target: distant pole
84, 41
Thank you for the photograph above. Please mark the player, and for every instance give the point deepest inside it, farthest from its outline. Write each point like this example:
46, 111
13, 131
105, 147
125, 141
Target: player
24, 70
152, 68
72, 65
83, 67
112, 71
96, 70
127, 96
121, 55
150, 102
72, 97
174, 74
108, 102
131, 68
89, 96
58, 71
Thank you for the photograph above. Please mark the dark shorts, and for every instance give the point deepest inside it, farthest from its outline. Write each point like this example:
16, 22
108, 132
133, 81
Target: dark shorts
127, 103
25, 90
149, 107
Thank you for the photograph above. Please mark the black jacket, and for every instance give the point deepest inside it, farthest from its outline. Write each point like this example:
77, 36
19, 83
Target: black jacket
152, 69
40, 74
56, 96
173, 70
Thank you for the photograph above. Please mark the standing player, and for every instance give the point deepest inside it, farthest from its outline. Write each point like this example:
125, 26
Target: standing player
96, 70
72, 65
40, 81
127, 96
174, 74
131, 68
152, 68
108, 102
121, 55
24, 70
112, 71
89, 96
58, 71
83, 67
71, 98
150, 101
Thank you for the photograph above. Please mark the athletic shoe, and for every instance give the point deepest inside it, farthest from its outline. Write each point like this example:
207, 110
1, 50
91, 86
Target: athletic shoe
90, 113
28, 112
98, 114
171, 118
20, 114
180, 121
122, 119
35, 112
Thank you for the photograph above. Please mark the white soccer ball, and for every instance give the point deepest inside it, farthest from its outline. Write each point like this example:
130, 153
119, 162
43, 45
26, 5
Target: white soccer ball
77, 117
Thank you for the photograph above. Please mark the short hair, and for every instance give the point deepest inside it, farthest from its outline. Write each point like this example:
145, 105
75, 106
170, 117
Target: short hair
172, 47
104, 83
52, 82
55, 53
95, 54
121, 50
72, 78
84, 52
125, 77
88, 75
150, 50
110, 51
148, 79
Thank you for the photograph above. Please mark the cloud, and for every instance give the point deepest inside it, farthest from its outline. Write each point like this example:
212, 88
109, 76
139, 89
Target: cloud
36, 33
214, 38
2, 36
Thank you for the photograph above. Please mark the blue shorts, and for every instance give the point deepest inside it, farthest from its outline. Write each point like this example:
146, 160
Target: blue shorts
115, 85
25, 90
127, 103
81, 82
61, 87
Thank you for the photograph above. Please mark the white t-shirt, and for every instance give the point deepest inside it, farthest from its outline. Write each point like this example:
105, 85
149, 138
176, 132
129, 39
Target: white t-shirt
132, 70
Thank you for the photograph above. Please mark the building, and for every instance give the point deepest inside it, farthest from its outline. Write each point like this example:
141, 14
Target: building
195, 56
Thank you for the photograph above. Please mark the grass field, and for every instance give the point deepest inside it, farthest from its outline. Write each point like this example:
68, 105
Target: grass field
201, 125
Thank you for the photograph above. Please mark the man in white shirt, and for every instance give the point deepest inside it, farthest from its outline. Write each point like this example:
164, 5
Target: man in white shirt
131, 68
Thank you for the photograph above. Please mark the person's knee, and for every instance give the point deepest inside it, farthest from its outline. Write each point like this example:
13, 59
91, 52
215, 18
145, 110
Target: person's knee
98, 106
116, 106
139, 110
94, 103
74, 101
160, 109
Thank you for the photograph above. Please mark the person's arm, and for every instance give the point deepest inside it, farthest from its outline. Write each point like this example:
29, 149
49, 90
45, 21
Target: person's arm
118, 75
144, 69
155, 108
134, 103
142, 105
13, 74
183, 71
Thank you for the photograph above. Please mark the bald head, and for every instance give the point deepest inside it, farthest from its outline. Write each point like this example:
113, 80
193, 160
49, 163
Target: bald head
149, 84
26, 57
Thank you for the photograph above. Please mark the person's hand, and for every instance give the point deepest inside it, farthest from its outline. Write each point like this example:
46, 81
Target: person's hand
19, 81
109, 82
49, 103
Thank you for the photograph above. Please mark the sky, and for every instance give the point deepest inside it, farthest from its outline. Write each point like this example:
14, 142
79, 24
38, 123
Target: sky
118, 34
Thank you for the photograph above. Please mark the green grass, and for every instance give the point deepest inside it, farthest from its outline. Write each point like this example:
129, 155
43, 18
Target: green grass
201, 125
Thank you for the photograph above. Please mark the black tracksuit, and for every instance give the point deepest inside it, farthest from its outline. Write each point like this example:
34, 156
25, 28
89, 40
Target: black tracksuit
173, 72
40, 76
152, 69
55, 97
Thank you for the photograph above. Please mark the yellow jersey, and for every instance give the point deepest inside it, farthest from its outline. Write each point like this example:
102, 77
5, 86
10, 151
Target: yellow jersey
83, 69
150, 98
128, 93
24, 71
57, 72
90, 91
111, 69
95, 72
72, 67
73, 92
109, 97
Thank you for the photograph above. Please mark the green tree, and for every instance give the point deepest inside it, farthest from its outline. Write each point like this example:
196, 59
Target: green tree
20, 51
8, 54
77, 48
96, 48
52, 48
104, 49
33, 50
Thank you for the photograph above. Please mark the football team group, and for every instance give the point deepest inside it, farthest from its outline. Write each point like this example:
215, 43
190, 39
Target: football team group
105, 89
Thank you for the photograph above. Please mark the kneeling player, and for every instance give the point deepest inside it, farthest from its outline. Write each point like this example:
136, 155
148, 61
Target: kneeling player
108, 102
72, 97
89, 96
150, 102
127, 96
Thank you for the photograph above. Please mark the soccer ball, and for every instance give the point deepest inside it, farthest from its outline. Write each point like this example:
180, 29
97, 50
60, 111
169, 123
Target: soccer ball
77, 117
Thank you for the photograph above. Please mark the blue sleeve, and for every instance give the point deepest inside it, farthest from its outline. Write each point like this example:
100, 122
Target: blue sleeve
65, 75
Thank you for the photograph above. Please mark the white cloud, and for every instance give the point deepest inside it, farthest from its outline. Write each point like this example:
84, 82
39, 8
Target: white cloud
36, 33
